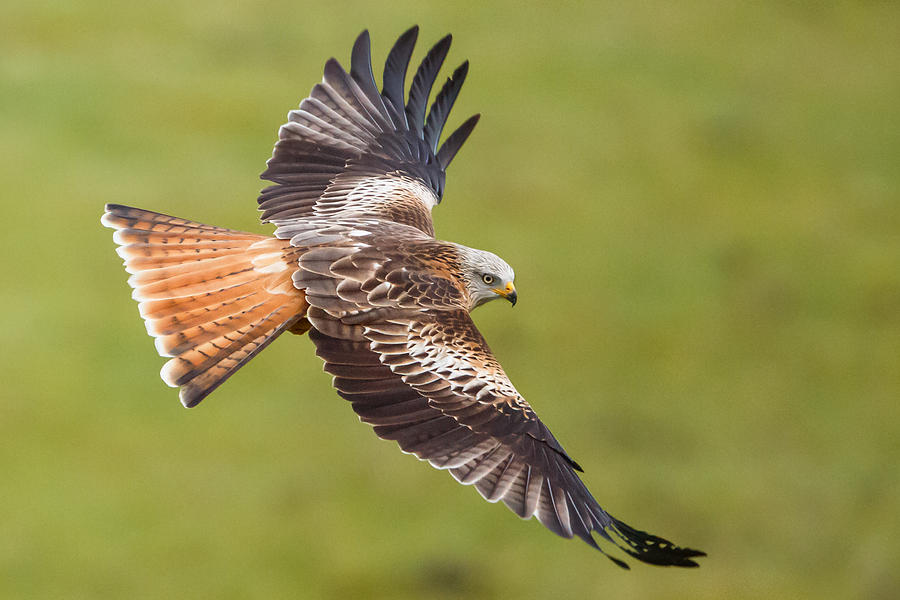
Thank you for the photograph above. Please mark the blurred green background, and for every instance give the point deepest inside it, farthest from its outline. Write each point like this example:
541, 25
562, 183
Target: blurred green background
702, 204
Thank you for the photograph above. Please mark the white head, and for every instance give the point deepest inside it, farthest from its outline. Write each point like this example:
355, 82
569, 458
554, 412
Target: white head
487, 276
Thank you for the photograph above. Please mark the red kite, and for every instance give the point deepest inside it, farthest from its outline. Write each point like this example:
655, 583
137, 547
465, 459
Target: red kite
354, 262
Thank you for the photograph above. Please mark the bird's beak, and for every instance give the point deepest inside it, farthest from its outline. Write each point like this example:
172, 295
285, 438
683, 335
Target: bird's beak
509, 292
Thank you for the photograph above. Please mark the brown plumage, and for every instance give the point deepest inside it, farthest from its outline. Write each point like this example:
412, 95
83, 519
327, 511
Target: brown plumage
211, 297
354, 261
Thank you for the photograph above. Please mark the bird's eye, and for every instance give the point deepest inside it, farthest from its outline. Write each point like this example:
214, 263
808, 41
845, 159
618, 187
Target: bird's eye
488, 279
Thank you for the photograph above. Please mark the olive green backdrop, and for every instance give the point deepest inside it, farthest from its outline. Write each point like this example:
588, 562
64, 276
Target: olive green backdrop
701, 204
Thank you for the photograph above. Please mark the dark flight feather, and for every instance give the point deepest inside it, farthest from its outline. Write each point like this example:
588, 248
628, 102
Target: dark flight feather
422, 83
394, 78
437, 116
347, 137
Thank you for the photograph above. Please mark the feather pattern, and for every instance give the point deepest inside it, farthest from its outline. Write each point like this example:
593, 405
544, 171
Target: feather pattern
349, 149
212, 298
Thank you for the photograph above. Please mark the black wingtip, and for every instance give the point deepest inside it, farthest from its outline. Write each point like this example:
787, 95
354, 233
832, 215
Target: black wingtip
360, 56
422, 83
363, 37
443, 104
455, 141
333, 68
394, 77
361, 73
653, 549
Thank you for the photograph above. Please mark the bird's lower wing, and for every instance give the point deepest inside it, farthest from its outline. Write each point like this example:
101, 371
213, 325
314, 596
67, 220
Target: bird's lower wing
442, 404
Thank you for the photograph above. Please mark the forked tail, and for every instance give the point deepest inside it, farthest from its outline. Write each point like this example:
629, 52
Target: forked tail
211, 297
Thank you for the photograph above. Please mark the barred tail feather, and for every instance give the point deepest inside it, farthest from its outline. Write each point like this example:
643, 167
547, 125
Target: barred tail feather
211, 297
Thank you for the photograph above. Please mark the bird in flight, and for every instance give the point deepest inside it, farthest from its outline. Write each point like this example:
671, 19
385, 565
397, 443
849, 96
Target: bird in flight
355, 264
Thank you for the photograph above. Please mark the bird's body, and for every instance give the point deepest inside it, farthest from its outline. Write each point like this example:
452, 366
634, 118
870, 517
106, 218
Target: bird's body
354, 262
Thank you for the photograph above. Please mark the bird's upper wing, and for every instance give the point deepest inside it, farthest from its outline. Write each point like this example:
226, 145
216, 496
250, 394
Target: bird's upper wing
350, 149
406, 353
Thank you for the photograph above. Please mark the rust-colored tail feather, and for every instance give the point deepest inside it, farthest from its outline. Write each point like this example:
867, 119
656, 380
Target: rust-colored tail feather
211, 297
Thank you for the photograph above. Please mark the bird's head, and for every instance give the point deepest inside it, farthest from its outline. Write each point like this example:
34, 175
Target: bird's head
487, 277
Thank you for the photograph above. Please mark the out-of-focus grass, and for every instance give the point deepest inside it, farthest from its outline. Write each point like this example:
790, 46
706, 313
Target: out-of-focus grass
701, 204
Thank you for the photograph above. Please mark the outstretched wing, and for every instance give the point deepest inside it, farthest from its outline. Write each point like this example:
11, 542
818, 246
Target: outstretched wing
427, 379
350, 150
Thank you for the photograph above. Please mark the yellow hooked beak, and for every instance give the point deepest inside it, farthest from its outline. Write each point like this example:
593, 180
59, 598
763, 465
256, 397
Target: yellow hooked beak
509, 292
